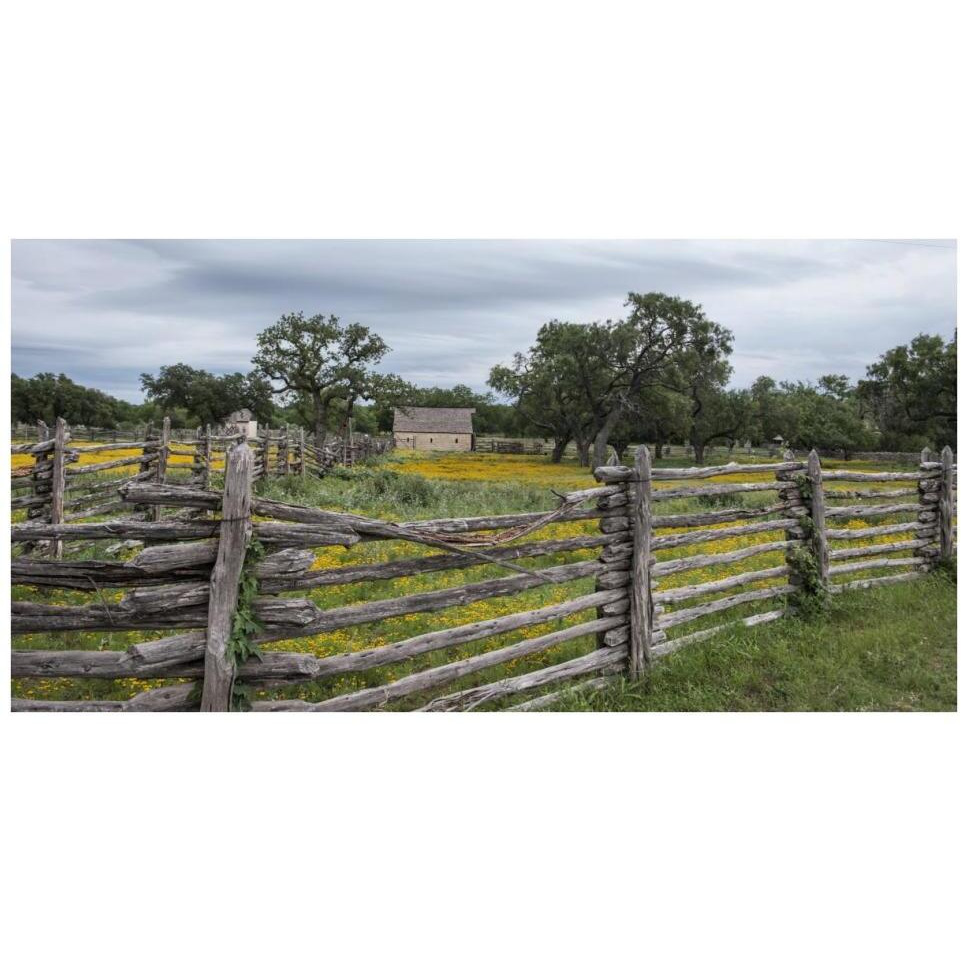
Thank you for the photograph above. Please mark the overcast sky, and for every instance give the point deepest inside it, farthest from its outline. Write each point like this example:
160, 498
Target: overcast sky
102, 312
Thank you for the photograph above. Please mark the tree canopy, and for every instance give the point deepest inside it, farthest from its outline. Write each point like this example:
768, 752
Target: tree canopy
208, 398
319, 363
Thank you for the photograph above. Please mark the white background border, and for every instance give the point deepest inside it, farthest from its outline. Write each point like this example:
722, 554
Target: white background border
699, 836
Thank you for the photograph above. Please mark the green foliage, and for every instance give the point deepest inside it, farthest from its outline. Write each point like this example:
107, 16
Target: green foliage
911, 394
208, 398
241, 645
319, 363
812, 600
49, 396
581, 382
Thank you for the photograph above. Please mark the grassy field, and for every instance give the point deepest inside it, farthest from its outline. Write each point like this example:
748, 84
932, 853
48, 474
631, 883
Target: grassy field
891, 649
410, 485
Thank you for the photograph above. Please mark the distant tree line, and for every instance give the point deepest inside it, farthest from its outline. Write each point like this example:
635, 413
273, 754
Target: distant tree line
659, 374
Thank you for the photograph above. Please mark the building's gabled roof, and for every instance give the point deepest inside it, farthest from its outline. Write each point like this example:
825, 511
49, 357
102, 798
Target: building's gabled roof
434, 420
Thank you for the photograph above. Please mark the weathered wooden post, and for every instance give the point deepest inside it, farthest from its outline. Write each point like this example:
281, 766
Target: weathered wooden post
208, 456
285, 470
235, 532
642, 606
303, 454
819, 538
58, 482
266, 450
946, 505
160, 468
929, 499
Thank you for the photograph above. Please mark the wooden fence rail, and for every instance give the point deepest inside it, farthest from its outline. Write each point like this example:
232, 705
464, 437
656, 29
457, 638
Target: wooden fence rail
191, 581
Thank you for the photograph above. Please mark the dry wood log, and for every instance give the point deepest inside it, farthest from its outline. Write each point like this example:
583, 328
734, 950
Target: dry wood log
871, 565
676, 594
663, 568
665, 541
308, 667
614, 523
716, 490
336, 618
882, 476
722, 604
536, 703
874, 582
435, 562
836, 533
115, 530
876, 549
616, 475
30, 618
620, 606
108, 491
371, 527
604, 660
107, 507
374, 697
610, 579
89, 575
112, 464
716, 517
99, 448
29, 500
276, 534
871, 510
676, 643
171, 495
177, 697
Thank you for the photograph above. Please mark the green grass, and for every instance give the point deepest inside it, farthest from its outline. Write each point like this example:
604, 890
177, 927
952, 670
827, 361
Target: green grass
888, 649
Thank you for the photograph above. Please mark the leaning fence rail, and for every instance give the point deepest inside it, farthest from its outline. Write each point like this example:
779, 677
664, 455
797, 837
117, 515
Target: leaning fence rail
186, 581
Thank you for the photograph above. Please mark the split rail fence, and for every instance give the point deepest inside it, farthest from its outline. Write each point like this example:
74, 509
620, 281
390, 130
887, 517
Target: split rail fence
55, 489
201, 579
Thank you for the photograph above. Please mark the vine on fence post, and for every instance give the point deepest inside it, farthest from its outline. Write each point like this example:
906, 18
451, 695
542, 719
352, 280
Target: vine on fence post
807, 555
245, 625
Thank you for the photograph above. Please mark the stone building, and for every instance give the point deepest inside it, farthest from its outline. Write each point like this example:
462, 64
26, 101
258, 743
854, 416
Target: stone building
242, 422
434, 428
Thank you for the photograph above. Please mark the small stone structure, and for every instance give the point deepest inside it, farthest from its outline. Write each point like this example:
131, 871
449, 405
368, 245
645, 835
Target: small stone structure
434, 428
242, 422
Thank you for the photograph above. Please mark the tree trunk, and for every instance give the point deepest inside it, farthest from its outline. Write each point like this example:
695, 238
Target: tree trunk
658, 450
320, 424
583, 451
560, 447
600, 439
699, 454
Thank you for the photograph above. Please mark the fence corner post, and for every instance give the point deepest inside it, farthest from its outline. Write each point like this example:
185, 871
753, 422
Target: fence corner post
819, 539
235, 532
642, 605
946, 505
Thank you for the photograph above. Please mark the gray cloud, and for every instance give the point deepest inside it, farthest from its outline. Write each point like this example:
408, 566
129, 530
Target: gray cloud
105, 311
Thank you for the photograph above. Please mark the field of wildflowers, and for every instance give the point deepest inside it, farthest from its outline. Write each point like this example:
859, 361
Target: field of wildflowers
411, 485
